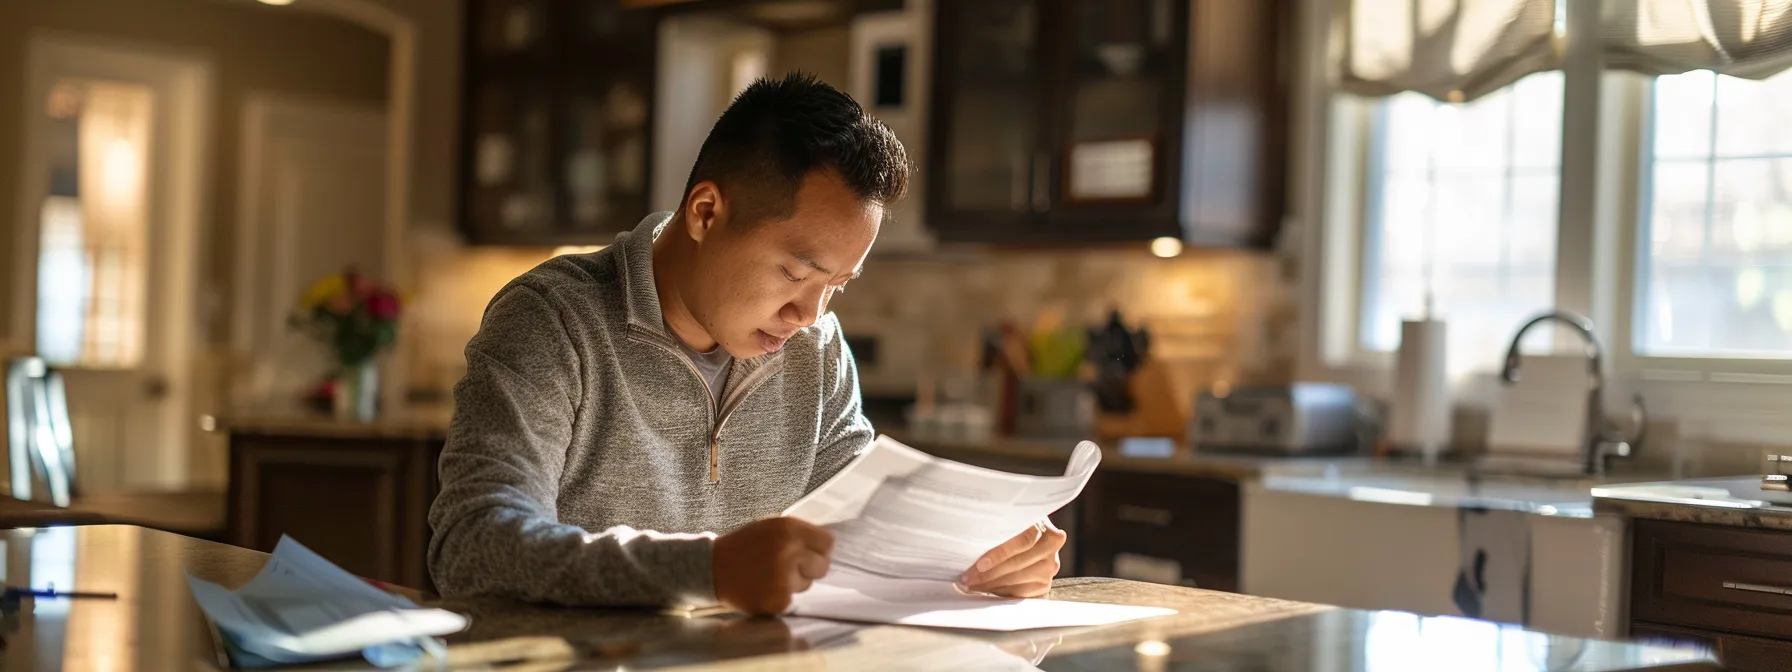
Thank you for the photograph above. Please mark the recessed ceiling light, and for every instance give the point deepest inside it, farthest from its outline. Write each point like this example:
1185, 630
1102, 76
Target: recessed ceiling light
1166, 247
277, 3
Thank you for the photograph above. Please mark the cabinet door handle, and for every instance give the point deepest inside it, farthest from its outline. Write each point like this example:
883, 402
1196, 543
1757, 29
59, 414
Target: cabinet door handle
1142, 514
1042, 174
1757, 588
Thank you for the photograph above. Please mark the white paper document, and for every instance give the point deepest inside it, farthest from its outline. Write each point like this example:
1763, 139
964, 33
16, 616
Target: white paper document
847, 645
906, 525
303, 608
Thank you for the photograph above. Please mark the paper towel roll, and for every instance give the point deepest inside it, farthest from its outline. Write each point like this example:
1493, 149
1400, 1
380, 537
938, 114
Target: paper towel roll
1419, 412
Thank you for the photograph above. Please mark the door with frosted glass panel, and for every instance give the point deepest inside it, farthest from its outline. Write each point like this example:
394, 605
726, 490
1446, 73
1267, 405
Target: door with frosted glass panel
108, 207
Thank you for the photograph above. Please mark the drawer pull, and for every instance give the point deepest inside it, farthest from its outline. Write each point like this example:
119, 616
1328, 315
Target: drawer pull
1758, 588
1141, 514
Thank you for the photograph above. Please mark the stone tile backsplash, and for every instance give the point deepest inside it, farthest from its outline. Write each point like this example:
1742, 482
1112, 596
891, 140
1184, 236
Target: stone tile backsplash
1214, 314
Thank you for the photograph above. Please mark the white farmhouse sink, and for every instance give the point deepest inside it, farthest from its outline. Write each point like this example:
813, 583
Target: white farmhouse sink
1387, 538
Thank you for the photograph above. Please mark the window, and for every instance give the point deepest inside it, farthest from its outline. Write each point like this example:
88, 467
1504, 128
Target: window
1462, 205
1715, 260
93, 229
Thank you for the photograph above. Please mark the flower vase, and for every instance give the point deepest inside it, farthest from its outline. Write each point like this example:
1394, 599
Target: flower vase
357, 392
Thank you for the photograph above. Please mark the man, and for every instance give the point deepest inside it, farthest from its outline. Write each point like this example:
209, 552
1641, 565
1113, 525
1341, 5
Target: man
624, 408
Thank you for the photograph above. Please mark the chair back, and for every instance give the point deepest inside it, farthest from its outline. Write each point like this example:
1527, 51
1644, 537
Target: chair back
40, 440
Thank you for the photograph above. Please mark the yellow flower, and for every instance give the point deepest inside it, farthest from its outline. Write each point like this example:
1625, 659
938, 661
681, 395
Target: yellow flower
323, 290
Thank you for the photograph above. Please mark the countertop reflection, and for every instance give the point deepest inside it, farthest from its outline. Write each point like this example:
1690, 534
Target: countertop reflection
153, 624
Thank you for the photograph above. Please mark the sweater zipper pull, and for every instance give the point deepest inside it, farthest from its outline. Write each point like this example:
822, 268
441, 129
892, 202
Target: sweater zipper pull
715, 459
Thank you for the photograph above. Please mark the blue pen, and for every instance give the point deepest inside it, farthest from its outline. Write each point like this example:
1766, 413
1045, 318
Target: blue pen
51, 592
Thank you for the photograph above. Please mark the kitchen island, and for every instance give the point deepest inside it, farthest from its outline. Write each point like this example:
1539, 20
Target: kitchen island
154, 625
357, 492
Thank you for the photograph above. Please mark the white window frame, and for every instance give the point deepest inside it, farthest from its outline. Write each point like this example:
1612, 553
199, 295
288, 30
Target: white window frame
1603, 159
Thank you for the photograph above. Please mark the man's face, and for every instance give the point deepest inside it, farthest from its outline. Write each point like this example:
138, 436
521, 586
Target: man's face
755, 286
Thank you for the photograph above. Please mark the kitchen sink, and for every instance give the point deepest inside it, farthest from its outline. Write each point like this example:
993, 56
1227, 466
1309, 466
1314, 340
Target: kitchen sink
1556, 474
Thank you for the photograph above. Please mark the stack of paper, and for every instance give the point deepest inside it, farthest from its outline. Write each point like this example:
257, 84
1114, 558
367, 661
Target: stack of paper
907, 524
302, 608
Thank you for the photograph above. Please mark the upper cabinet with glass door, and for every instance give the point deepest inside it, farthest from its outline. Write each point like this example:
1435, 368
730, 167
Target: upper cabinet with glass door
558, 121
987, 113
1076, 121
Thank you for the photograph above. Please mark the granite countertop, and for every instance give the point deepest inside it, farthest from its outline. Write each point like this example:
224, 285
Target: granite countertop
1182, 460
1351, 477
422, 424
1543, 492
155, 625
1214, 630
1037, 455
1736, 501
1548, 489
1443, 489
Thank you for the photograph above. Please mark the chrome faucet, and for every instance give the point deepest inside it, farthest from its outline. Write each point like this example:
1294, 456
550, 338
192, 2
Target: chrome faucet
1601, 439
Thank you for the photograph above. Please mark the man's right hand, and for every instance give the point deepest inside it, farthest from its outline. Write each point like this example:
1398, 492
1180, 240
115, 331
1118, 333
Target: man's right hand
759, 567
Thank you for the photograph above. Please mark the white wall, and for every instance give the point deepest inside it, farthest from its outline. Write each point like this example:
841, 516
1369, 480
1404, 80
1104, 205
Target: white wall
696, 59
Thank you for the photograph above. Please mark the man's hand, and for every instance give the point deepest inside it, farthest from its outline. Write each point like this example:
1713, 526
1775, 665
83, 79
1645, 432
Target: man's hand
1020, 567
760, 566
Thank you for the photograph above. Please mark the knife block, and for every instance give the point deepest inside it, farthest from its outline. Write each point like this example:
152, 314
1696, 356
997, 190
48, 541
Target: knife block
1154, 408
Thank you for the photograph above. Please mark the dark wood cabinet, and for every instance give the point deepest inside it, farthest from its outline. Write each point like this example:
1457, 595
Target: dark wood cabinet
1727, 587
557, 121
361, 502
1162, 527
1073, 121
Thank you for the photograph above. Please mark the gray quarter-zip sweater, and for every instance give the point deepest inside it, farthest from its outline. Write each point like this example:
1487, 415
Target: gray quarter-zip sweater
588, 464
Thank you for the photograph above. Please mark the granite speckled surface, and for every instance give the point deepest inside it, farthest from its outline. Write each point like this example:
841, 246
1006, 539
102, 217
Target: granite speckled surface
154, 625
1733, 501
411, 424
1051, 455
1012, 454
1351, 477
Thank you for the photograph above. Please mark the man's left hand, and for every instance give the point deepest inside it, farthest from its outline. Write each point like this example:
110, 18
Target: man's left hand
1020, 567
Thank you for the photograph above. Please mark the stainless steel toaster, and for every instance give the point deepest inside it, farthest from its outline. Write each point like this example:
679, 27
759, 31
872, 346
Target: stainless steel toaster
1293, 419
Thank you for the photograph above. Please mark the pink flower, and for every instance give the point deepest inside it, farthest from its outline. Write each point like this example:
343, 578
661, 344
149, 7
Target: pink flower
359, 285
382, 305
341, 304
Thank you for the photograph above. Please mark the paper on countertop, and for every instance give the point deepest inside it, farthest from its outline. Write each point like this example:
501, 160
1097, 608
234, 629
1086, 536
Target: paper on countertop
849, 595
1545, 412
302, 608
848, 645
907, 524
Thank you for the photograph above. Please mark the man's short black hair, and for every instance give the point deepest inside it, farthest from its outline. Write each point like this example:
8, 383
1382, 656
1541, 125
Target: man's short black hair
777, 131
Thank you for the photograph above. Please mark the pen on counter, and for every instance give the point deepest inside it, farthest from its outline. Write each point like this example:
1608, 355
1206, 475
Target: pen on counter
51, 592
